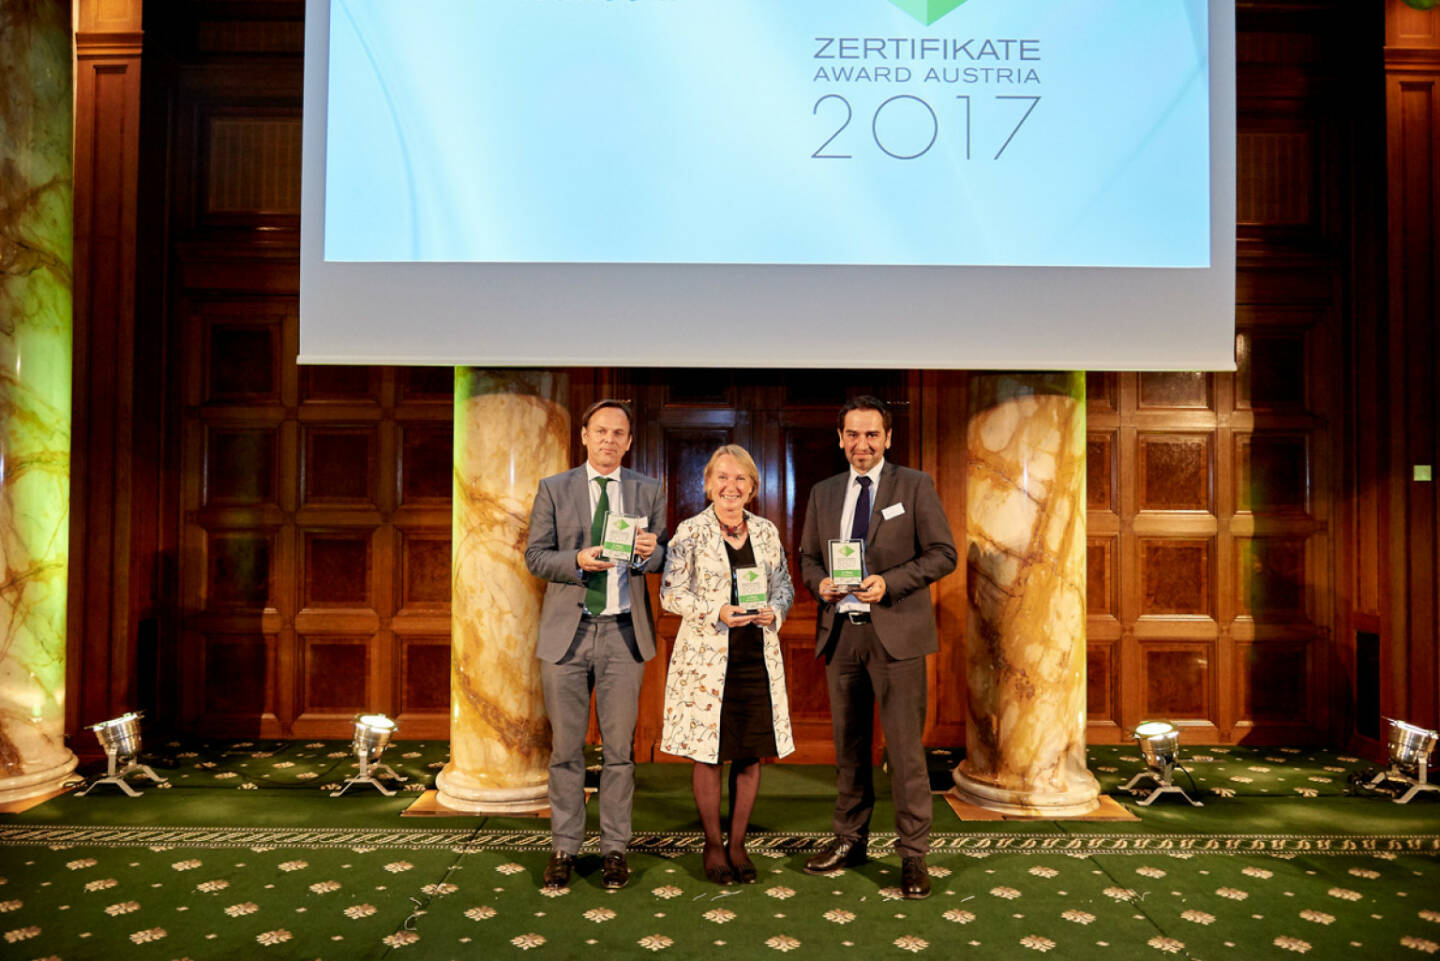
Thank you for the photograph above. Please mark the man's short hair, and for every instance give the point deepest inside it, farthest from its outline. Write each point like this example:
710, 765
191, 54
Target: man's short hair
599, 405
864, 402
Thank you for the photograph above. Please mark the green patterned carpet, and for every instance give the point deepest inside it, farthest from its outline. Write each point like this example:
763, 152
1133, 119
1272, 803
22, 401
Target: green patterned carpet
246, 855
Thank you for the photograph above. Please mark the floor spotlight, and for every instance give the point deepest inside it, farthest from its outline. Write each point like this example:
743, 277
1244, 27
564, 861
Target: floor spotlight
372, 734
1410, 748
1160, 744
120, 737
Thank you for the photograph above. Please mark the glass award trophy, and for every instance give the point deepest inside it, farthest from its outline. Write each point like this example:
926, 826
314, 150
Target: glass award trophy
618, 543
847, 563
751, 589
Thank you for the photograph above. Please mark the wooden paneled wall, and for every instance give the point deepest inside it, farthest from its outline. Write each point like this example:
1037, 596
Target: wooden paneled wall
107, 594
1403, 392
315, 576
1249, 532
1207, 575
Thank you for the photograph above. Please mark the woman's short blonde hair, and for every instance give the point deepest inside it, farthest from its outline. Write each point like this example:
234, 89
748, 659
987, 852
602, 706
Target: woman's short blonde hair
747, 466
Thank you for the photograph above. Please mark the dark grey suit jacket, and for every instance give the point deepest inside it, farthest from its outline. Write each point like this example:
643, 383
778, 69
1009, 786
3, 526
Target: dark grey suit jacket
560, 527
910, 550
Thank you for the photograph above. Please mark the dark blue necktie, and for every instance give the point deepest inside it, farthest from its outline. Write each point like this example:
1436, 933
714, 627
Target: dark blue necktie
860, 526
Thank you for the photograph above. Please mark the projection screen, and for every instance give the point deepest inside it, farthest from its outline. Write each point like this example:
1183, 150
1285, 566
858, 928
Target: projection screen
982, 184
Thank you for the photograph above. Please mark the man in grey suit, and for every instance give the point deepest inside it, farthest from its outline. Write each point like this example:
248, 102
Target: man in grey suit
875, 639
596, 633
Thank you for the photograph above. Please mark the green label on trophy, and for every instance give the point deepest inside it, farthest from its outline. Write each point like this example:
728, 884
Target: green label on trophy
618, 544
847, 562
751, 587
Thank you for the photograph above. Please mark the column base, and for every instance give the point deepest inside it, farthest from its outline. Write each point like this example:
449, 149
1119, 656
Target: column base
460, 792
1079, 799
51, 779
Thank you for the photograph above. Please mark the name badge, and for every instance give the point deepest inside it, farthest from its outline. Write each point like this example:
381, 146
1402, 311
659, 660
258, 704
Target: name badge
894, 510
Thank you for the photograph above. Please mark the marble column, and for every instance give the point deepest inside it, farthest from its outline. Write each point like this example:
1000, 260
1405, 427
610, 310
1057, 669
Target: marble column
36, 242
511, 429
1025, 648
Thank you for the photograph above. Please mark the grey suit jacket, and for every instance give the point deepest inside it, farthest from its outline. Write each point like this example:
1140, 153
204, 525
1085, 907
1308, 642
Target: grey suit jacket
910, 550
560, 527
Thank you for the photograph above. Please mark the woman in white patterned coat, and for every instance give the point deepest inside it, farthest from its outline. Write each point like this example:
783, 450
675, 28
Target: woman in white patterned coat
725, 694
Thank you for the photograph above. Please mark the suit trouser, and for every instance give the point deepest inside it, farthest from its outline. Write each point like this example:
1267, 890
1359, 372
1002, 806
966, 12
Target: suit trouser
601, 658
860, 673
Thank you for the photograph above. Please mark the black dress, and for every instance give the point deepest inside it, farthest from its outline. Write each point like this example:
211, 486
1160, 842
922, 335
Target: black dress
747, 725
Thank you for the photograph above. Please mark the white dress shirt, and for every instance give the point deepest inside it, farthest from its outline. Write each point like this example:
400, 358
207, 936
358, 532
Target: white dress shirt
617, 578
848, 603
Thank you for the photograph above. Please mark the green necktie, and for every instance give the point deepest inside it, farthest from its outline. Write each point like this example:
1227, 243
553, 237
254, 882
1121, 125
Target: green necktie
596, 582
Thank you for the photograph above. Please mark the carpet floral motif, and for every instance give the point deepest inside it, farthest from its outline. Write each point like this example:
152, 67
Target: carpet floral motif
95, 878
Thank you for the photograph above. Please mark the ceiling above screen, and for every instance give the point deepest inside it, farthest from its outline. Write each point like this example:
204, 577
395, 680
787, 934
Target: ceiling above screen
817, 183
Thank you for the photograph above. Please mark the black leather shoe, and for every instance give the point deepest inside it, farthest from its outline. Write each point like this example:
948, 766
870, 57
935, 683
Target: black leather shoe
839, 853
615, 872
914, 878
557, 872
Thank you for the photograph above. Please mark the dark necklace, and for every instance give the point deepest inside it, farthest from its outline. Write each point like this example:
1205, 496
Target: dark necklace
737, 531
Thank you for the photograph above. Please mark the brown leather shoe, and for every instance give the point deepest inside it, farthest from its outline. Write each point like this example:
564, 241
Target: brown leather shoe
557, 872
839, 853
914, 878
615, 872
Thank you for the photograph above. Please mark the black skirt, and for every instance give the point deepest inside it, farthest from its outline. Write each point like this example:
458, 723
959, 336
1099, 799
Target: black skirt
747, 723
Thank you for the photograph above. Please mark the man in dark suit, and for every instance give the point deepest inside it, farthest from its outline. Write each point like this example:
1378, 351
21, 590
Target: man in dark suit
596, 633
875, 638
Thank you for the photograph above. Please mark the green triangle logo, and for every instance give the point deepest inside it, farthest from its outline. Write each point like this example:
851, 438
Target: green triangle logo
753, 577
848, 551
927, 11
622, 525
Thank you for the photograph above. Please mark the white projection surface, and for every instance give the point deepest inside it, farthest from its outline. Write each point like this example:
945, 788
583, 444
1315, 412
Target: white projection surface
983, 184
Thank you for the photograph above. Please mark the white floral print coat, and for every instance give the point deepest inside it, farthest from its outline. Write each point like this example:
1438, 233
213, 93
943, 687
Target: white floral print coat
695, 586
